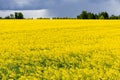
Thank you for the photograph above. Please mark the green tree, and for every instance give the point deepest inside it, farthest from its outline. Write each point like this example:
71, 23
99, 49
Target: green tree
11, 16
96, 16
101, 17
118, 16
83, 15
19, 15
114, 17
90, 15
104, 14
0, 17
16, 15
7, 17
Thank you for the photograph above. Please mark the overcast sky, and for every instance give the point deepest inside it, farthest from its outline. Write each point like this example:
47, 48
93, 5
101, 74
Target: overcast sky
61, 8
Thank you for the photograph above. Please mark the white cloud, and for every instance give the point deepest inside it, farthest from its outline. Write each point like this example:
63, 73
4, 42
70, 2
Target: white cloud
27, 13
113, 7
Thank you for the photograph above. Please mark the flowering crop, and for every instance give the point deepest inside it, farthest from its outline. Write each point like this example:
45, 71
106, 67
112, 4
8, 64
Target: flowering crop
60, 49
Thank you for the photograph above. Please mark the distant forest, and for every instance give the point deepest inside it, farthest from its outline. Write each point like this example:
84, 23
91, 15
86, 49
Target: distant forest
82, 15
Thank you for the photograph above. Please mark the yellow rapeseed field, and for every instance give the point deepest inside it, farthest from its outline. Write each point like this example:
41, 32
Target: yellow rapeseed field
59, 49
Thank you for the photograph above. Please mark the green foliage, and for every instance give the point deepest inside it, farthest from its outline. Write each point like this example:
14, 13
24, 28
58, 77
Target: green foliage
43, 18
83, 15
0, 17
103, 15
91, 16
96, 16
7, 17
19, 15
12, 16
114, 17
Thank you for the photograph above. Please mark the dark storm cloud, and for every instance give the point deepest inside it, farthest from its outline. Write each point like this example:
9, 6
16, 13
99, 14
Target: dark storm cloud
6, 4
26, 4
62, 7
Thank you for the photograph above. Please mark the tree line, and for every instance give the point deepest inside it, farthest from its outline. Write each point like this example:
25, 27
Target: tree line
102, 15
82, 15
16, 15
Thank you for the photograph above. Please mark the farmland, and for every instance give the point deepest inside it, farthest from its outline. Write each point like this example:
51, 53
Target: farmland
60, 49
